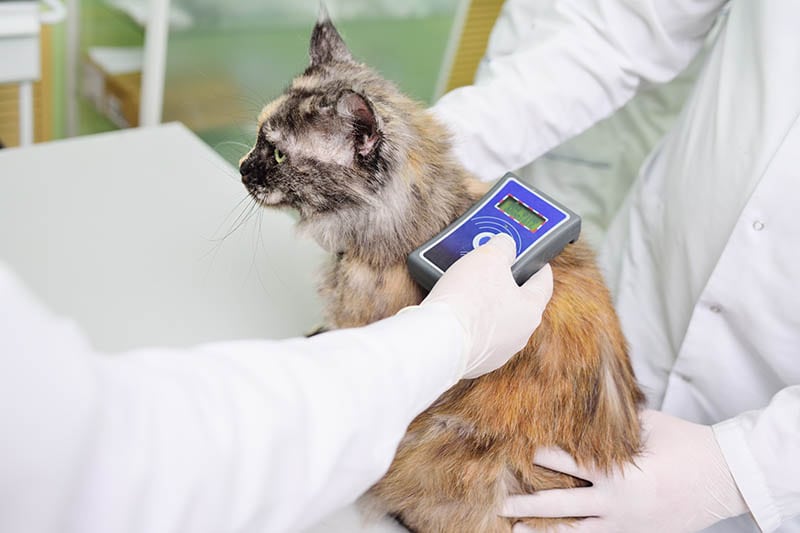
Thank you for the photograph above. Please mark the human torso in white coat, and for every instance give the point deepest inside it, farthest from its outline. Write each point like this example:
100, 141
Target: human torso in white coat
703, 257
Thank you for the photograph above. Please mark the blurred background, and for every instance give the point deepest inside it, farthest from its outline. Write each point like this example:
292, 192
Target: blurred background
212, 65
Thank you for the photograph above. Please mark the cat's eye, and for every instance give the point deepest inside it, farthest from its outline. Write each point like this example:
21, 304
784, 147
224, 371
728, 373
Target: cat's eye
280, 157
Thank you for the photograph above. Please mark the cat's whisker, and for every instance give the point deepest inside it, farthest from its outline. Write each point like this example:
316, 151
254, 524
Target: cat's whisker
253, 105
234, 208
235, 149
228, 169
252, 97
246, 213
218, 241
235, 143
258, 238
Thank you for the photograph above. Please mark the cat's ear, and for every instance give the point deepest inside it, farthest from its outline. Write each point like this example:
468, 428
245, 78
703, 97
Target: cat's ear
326, 43
358, 110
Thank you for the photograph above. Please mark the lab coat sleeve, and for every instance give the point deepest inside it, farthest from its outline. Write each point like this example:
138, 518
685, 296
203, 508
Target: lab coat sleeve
237, 436
581, 61
762, 450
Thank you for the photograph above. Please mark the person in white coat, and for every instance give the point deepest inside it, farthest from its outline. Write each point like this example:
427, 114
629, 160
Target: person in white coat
702, 256
236, 436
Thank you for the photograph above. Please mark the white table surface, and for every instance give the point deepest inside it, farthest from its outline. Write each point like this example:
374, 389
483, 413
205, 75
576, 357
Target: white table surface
123, 232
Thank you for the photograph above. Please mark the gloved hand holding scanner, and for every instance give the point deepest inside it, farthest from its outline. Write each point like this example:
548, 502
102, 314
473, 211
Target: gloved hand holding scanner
524, 229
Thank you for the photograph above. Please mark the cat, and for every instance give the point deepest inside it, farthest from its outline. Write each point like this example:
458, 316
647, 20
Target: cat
372, 176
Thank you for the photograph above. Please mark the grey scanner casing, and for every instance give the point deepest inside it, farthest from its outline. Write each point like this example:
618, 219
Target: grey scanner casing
526, 265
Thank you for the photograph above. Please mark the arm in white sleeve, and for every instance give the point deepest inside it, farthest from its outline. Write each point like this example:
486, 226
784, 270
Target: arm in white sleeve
266, 436
762, 449
581, 61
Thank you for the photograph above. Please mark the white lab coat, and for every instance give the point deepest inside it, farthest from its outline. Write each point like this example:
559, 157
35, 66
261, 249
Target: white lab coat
241, 436
703, 256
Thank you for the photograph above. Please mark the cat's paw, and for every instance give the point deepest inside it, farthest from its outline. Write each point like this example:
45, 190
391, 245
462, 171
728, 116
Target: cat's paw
317, 331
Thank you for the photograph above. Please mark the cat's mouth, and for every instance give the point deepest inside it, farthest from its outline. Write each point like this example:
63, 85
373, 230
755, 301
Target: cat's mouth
270, 198
254, 181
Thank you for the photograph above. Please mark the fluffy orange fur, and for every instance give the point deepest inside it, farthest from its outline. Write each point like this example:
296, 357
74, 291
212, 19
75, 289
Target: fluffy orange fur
572, 386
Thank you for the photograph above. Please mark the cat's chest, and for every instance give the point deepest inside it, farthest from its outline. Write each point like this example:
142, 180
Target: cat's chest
357, 293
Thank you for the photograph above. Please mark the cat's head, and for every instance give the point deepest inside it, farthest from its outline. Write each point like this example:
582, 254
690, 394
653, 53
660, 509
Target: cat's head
369, 170
331, 140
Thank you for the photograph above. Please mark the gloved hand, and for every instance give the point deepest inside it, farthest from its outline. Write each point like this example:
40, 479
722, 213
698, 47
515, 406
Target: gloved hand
497, 315
680, 483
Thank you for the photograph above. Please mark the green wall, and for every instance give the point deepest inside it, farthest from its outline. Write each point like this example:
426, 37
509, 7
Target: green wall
253, 64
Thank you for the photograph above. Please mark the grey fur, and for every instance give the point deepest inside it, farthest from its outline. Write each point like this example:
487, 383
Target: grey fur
368, 169
326, 43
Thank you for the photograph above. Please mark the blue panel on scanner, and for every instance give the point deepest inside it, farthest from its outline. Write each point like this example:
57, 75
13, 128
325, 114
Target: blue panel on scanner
539, 225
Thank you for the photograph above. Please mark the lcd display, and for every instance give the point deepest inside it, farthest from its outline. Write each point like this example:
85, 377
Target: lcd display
521, 213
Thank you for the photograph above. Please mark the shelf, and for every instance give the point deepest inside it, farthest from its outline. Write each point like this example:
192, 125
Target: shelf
179, 19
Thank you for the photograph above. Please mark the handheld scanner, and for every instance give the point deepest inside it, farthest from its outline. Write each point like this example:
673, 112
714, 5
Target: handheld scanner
539, 225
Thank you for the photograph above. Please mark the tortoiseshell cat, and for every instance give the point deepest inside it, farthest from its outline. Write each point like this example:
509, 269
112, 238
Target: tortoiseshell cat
372, 176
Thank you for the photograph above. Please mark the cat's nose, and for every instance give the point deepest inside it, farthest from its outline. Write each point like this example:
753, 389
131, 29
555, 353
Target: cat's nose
252, 174
247, 166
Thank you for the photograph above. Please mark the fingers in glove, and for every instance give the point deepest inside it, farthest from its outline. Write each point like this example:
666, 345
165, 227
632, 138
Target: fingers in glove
505, 244
587, 525
560, 461
554, 503
540, 285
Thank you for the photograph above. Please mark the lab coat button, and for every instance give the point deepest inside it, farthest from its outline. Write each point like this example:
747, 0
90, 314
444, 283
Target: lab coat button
758, 225
715, 308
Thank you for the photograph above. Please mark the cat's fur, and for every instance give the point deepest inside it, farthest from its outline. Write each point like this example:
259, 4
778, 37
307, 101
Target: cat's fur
372, 175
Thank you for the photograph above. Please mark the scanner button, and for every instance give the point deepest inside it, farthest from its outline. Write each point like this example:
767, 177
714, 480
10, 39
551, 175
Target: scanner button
481, 238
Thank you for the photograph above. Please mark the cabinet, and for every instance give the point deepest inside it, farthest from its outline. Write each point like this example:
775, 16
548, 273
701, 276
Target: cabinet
26, 72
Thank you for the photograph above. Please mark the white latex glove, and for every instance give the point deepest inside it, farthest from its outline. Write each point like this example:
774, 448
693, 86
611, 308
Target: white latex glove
498, 316
680, 483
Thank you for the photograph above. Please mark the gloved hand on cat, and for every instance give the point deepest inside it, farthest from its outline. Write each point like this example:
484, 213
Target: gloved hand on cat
680, 483
498, 316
